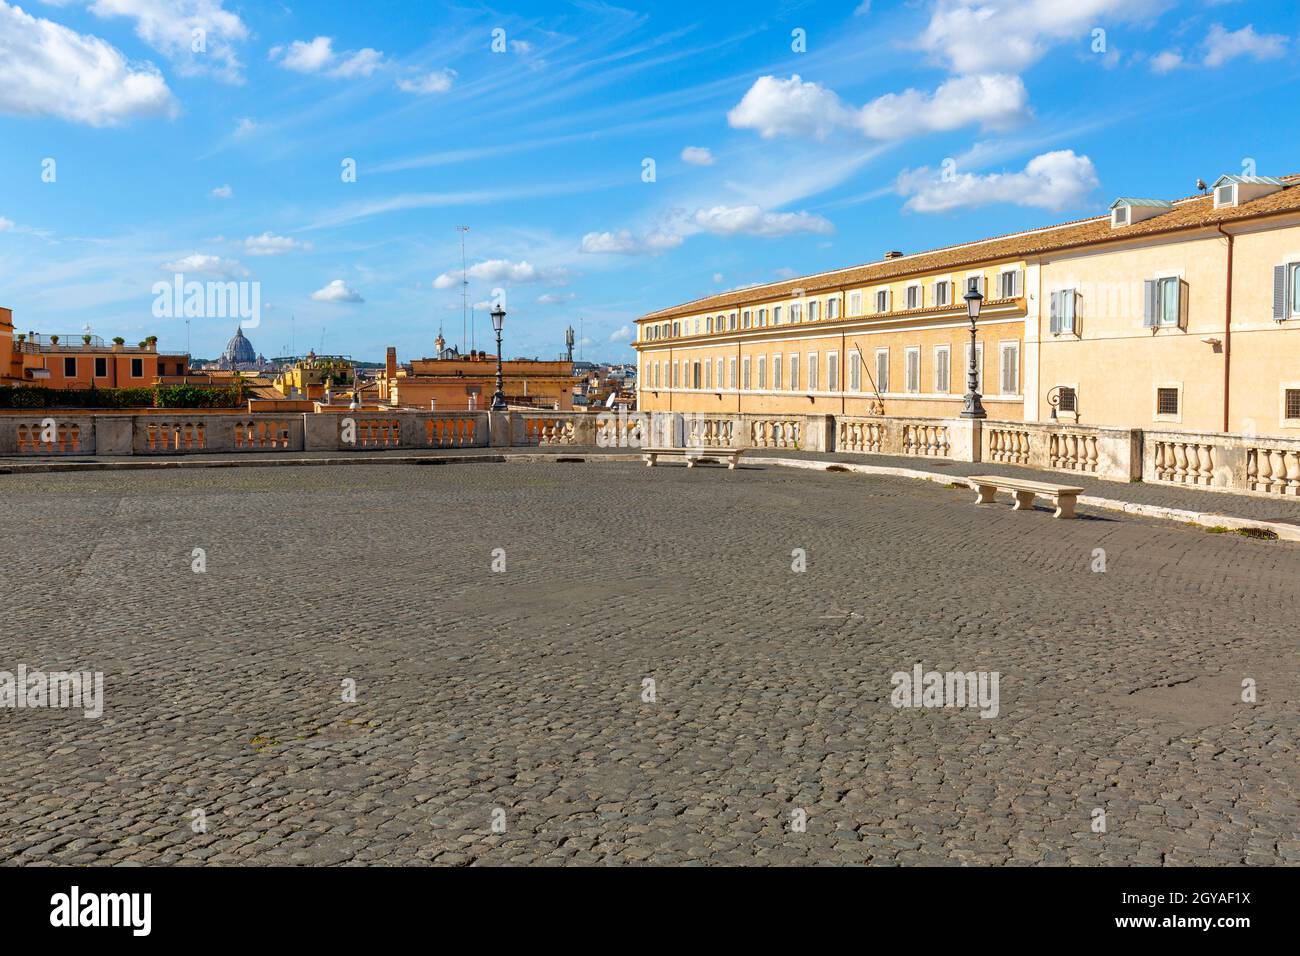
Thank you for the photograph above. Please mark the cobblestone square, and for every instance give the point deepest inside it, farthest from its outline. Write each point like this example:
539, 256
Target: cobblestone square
500, 716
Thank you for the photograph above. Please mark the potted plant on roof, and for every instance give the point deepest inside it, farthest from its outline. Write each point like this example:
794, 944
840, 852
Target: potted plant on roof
85, 338
151, 342
54, 340
118, 342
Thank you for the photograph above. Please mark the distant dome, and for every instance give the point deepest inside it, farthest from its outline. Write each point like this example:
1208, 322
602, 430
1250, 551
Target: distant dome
238, 350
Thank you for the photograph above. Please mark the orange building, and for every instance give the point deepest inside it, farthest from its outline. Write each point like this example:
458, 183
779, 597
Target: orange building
80, 361
469, 381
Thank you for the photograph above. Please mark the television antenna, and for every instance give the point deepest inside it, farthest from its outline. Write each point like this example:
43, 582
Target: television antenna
464, 290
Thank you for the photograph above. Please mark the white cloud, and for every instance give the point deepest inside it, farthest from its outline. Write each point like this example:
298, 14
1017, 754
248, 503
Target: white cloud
555, 298
245, 127
788, 108
1222, 45
521, 46
995, 101
318, 56
439, 81
6, 224
206, 265
717, 278
698, 156
794, 108
753, 221
981, 36
222, 192
269, 244
175, 27
625, 243
305, 57
1166, 62
1053, 181
337, 291
622, 334
50, 70
502, 270
361, 63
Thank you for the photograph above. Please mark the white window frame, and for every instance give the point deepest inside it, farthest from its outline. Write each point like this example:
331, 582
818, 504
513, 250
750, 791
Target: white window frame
812, 371
814, 310
762, 373
731, 374
1017, 283
1069, 294
776, 372
945, 386
718, 379
776, 315
833, 308
1281, 414
882, 381
941, 295
794, 371
915, 287
1004, 348
855, 370
1155, 402
745, 381
833, 371
708, 373
912, 369
855, 303
882, 301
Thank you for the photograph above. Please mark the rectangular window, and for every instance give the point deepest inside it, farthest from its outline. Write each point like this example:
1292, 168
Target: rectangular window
1063, 312
1166, 401
1009, 284
708, 324
941, 293
882, 301
914, 297
855, 303
776, 371
101, 367
776, 315
137, 368
912, 369
1068, 400
1163, 305
677, 329
695, 375
942, 369
762, 371
1010, 368
656, 375
676, 375
1292, 404
744, 365
745, 323
731, 322
882, 370
794, 372
796, 312
814, 311
69, 367
1295, 289
708, 374
975, 284
855, 371
731, 375
833, 371
812, 371
979, 366
762, 318
832, 308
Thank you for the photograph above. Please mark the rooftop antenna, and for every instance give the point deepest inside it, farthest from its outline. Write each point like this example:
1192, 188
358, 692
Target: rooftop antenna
464, 290
1200, 184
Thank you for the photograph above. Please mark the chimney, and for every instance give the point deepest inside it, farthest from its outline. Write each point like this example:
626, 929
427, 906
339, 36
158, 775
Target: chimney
893, 254
390, 362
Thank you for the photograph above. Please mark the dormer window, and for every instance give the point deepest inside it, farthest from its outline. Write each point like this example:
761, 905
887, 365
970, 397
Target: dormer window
1239, 190
1126, 212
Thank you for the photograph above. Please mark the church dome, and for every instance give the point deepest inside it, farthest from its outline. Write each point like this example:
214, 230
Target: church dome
238, 350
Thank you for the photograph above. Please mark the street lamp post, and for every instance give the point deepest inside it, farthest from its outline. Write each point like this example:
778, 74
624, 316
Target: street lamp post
973, 408
498, 320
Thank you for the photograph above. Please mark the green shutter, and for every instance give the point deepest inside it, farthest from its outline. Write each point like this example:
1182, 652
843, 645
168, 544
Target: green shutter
1281, 298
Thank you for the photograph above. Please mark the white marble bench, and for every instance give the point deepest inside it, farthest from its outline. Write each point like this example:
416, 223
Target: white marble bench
693, 455
1025, 491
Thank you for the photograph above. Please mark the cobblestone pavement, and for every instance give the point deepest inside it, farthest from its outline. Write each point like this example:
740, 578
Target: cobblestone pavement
522, 691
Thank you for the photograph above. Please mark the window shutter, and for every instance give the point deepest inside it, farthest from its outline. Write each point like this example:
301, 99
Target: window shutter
1184, 301
1280, 296
1056, 313
1151, 300
1070, 318
1017, 284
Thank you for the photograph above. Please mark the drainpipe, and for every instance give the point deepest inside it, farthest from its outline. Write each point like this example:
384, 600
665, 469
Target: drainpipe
1227, 333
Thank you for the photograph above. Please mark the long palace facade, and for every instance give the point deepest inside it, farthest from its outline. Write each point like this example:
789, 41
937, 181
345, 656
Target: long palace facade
1174, 315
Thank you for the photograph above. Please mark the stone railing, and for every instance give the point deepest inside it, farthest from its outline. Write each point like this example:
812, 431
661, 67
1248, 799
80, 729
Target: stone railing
774, 432
750, 430
1223, 461
860, 434
47, 434
1113, 453
926, 439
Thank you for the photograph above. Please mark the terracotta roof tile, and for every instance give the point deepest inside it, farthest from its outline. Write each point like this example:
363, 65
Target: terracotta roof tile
1193, 212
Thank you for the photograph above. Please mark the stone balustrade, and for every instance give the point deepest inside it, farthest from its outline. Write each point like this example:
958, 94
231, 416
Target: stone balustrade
1009, 445
926, 439
865, 435
1223, 461
1273, 469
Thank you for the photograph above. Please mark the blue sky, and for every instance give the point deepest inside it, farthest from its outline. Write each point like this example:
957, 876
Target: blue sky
785, 138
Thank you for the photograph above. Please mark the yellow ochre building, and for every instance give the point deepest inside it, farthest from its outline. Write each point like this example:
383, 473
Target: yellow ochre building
1168, 315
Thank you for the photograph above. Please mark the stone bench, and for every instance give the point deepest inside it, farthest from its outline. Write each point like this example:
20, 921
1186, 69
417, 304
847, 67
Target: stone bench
693, 455
1063, 496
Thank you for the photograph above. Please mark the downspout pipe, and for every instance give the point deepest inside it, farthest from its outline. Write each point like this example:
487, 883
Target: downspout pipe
1227, 332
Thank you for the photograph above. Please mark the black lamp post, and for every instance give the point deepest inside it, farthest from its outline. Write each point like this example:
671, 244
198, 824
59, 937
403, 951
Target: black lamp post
973, 408
498, 320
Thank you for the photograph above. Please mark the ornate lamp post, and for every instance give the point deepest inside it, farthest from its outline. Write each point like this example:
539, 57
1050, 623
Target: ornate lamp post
973, 408
498, 320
